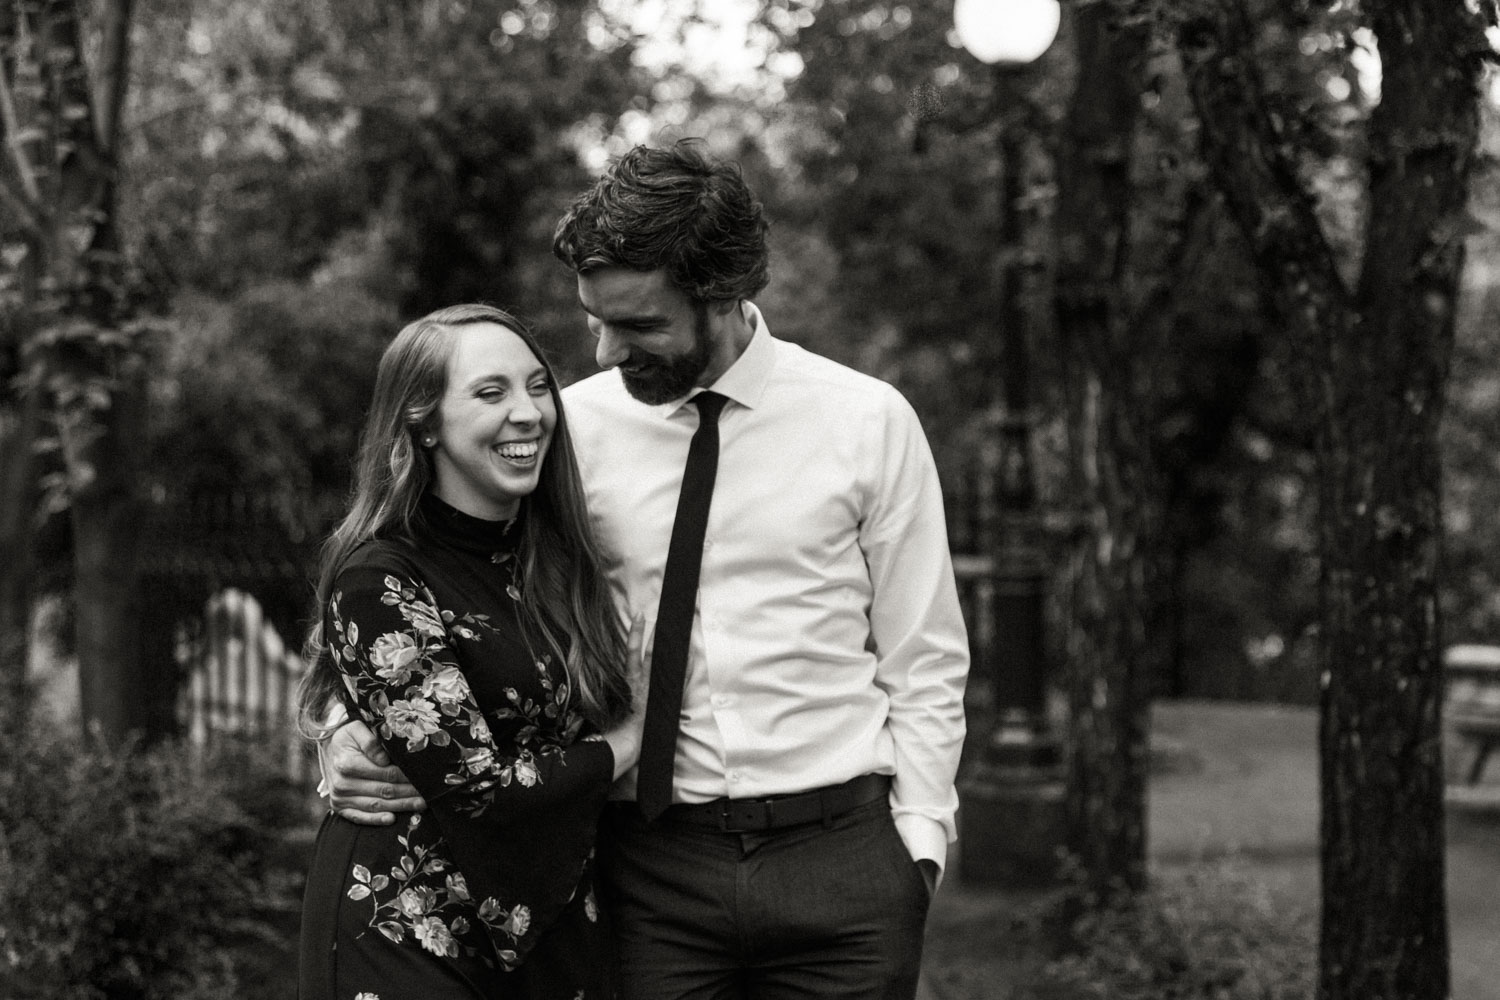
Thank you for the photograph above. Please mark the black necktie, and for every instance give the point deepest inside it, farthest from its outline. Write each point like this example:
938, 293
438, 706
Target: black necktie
674, 616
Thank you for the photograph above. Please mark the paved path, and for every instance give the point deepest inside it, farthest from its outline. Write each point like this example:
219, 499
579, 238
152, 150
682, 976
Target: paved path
1237, 779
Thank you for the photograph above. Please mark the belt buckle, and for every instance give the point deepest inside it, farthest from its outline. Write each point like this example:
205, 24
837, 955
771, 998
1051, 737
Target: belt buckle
746, 815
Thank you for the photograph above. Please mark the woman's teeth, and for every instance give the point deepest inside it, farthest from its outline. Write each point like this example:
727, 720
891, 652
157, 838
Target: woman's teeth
520, 449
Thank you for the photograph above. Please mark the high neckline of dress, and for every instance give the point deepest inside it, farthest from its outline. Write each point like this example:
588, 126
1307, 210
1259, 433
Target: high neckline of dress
453, 527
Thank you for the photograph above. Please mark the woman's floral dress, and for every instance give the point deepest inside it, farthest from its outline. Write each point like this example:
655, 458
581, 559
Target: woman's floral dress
490, 893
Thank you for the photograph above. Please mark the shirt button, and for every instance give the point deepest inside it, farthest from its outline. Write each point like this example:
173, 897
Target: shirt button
733, 776
721, 700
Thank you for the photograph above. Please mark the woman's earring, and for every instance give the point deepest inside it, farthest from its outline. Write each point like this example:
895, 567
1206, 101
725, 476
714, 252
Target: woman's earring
428, 441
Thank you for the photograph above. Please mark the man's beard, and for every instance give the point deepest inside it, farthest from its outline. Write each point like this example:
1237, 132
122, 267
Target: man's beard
661, 381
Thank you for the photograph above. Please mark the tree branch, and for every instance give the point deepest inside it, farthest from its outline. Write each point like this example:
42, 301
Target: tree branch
113, 75
10, 121
1253, 163
28, 213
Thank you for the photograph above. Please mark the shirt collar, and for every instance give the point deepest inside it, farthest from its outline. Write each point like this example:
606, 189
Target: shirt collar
745, 380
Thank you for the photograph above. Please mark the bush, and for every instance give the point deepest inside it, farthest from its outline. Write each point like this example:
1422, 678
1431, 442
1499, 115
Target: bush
136, 874
1211, 932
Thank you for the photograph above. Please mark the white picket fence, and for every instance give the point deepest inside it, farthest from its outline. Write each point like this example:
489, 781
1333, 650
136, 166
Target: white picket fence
242, 685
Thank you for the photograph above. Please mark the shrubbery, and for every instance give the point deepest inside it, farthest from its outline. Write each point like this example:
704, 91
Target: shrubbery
1211, 932
134, 874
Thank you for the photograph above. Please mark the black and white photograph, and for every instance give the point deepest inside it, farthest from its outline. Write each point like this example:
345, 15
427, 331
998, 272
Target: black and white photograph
750, 500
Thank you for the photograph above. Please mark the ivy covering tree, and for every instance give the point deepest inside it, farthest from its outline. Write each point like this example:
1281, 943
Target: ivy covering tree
74, 380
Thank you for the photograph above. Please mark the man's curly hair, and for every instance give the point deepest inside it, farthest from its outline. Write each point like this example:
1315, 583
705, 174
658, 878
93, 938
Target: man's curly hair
674, 209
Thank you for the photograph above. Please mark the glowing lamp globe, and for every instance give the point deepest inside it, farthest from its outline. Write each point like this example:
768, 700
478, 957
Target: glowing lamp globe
1010, 32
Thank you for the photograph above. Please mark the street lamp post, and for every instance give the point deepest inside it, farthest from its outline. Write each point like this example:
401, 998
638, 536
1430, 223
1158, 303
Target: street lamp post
1012, 797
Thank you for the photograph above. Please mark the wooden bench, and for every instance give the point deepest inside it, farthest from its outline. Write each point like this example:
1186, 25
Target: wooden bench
1471, 702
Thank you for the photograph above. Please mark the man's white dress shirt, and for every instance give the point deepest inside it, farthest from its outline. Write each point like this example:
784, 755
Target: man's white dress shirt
828, 641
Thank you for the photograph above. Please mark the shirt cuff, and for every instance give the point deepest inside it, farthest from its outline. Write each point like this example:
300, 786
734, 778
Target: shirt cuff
325, 790
924, 838
337, 715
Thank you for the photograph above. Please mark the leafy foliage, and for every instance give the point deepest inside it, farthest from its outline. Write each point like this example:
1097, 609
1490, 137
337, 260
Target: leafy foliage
263, 394
1471, 421
305, 177
896, 170
1471, 459
437, 129
130, 873
1209, 932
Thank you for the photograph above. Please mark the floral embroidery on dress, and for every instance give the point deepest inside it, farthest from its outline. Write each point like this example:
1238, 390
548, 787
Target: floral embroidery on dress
513, 589
417, 906
433, 690
407, 686
554, 707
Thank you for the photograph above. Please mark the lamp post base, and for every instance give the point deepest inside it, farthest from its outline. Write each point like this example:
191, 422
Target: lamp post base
1012, 815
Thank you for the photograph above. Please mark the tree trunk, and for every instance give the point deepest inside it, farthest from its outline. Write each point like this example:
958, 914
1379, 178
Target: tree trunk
1375, 360
19, 426
1107, 658
116, 688
1384, 915
19, 421
108, 509
62, 133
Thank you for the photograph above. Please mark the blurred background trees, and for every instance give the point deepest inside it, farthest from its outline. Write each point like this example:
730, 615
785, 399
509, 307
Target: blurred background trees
299, 179
294, 182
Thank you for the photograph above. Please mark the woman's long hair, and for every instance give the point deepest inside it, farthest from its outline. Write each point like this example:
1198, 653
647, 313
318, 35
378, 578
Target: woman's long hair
565, 601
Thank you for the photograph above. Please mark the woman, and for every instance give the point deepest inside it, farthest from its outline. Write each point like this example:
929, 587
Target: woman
466, 621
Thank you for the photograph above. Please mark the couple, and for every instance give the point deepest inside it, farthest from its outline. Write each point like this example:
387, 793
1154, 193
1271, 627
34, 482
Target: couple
768, 813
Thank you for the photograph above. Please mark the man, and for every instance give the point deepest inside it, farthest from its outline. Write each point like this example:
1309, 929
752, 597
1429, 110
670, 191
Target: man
788, 837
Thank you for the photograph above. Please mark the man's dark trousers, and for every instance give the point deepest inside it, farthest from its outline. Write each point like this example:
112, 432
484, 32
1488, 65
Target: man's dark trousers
832, 910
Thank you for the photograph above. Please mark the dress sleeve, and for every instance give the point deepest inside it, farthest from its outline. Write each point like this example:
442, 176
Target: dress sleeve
518, 813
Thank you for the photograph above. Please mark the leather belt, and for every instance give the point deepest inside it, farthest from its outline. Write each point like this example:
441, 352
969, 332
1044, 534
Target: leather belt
752, 815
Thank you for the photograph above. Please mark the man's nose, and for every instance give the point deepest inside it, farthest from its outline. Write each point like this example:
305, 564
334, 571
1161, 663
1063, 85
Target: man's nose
610, 350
